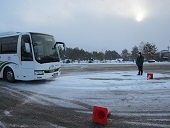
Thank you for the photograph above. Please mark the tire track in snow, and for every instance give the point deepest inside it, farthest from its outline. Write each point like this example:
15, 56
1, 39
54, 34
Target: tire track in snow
142, 119
29, 97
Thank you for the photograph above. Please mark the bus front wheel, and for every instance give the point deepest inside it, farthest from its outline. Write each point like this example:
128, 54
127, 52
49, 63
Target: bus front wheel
9, 75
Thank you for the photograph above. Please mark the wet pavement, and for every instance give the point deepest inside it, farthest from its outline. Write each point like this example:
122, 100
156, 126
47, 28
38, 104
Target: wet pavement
55, 104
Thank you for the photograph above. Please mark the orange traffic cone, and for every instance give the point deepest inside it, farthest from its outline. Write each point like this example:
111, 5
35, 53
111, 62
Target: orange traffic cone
100, 115
149, 76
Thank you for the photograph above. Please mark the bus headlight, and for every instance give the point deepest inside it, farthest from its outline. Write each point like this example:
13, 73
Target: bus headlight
39, 72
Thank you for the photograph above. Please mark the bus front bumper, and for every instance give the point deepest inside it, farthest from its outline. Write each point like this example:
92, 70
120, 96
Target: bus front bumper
47, 75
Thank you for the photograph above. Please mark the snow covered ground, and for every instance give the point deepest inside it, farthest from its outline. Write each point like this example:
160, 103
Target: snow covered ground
118, 91
145, 102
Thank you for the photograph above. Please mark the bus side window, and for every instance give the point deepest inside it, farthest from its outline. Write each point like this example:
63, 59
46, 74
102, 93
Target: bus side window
26, 55
8, 45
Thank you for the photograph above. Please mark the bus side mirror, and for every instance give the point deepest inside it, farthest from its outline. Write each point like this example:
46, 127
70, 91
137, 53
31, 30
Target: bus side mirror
64, 46
27, 47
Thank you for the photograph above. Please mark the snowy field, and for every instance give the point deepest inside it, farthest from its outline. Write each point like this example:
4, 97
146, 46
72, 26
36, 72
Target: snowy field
107, 89
124, 93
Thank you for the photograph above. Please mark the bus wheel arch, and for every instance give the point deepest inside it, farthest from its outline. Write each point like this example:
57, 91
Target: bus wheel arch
8, 75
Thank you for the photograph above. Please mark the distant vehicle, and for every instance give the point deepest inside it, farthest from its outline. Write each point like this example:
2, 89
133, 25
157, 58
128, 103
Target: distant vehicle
151, 61
119, 60
28, 56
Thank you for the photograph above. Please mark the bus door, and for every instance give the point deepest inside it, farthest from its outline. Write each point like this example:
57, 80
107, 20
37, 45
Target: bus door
27, 63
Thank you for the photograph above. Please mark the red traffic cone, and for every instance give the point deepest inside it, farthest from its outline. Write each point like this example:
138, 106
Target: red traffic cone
100, 115
149, 76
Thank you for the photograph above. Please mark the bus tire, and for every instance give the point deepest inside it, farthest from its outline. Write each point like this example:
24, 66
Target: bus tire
9, 75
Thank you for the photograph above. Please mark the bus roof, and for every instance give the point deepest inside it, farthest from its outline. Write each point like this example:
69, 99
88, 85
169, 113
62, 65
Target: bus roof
32, 33
4, 34
9, 34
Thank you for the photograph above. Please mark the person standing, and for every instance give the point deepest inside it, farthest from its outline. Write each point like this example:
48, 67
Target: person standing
139, 63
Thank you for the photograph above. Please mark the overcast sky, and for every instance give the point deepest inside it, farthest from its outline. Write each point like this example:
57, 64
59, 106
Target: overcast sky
93, 25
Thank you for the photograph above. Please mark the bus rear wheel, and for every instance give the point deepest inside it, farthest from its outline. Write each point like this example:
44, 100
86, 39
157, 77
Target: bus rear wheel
9, 75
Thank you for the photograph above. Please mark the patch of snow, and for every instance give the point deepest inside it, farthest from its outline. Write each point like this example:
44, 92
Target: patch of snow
18, 126
149, 124
122, 90
2, 125
7, 113
56, 126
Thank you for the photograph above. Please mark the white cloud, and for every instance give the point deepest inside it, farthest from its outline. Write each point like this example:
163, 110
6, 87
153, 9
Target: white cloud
58, 12
85, 22
45, 12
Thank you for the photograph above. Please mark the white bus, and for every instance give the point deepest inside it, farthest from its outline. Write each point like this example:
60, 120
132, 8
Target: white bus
28, 56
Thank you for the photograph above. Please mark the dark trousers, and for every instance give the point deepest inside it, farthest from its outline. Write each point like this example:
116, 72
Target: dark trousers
140, 70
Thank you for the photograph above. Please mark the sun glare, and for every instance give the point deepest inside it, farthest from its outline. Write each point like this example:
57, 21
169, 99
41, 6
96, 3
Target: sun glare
139, 17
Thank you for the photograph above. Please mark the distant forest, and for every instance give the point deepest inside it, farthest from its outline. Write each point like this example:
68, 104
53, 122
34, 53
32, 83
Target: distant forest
149, 50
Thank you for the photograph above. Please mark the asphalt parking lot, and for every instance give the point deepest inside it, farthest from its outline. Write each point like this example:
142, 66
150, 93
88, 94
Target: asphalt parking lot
35, 107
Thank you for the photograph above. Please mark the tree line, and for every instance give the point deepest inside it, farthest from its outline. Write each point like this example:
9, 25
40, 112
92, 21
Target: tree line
149, 50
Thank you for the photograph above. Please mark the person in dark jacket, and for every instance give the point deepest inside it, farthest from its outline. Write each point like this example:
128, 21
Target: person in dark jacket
139, 63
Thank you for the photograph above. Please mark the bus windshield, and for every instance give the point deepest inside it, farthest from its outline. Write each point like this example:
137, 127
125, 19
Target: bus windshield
44, 48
